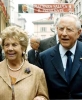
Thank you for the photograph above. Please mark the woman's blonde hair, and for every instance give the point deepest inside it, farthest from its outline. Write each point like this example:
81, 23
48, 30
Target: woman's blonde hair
15, 33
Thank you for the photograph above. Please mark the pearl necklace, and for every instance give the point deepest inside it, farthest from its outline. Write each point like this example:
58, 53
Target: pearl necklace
17, 68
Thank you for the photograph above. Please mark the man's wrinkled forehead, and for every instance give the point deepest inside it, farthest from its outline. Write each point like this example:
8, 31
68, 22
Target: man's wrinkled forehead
66, 20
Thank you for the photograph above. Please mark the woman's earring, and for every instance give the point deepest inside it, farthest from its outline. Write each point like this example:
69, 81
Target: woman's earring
23, 53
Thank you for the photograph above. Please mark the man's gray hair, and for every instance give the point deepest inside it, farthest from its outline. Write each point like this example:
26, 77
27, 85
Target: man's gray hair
36, 38
77, 21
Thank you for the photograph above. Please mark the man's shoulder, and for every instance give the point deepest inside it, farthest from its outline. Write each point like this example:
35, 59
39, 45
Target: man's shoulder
48, 39
47, 51
31, 50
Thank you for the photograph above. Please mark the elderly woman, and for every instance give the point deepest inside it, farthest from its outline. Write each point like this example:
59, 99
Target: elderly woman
19, 80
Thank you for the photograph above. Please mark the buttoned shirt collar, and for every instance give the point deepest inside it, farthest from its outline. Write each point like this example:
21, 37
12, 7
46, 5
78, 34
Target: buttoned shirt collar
63, 50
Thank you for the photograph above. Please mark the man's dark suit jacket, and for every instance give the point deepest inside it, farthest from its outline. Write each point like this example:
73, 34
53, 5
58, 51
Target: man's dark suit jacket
31, 57
51, 63
47, 43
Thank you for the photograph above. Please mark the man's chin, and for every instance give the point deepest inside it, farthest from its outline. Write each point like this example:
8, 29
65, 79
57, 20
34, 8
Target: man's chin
11, 58
66, 46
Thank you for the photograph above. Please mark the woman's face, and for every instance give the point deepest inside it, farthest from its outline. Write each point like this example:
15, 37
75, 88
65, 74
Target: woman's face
12, 49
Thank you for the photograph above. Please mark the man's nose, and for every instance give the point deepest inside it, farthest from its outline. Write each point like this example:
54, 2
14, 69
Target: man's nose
64, 32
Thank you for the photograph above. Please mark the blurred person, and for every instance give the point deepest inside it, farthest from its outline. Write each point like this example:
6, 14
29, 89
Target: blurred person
47, 43
19, 80
24, 8
62, 64
33, 53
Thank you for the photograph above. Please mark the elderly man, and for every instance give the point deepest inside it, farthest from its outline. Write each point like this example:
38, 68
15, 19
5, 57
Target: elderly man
24, 8
33, 53
62, 63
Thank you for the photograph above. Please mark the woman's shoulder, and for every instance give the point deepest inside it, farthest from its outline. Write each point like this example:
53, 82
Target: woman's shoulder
3, 65
3, 62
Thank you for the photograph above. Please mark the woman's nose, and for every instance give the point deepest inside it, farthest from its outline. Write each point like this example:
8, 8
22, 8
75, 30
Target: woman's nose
10, 47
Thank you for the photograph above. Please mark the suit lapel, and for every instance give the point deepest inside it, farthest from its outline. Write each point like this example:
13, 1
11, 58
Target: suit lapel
4, 73
57, 62
77, 61
23, 73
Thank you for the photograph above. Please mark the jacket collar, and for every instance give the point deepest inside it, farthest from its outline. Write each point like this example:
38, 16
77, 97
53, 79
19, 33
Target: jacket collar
77, 61
5, 75
57, 61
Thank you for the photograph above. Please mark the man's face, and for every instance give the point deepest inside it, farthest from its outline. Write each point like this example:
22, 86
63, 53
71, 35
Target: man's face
67, 32
34, 44
24, 8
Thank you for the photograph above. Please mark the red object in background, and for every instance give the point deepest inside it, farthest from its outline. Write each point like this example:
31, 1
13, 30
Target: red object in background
55, 8
3, 8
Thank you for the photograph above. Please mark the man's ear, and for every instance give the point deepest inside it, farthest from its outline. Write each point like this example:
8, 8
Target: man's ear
79, 32
56, 27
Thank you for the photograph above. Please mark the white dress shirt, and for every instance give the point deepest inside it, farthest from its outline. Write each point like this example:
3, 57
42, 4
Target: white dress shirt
62, 51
